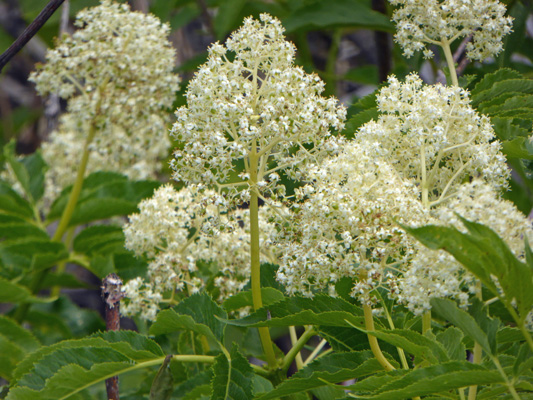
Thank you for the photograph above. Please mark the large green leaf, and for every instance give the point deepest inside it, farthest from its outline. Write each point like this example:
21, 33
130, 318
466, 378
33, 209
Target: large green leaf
198, 313
448, 310
320, 310
323, 14
11, 292
13, 204
232, 379
452, 340
31, 254
399, 385
104, 195
99, 239
422, 347
15, 343
28, 170
485, 254
329, 369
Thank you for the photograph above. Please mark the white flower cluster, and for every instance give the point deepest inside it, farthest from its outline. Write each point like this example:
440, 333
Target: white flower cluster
428, 139
431, 134
348, 225
423, 22
175, 230
116, 72
436, 273
258, 107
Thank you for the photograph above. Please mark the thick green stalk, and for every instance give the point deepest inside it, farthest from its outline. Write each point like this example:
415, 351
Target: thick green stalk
264, 333
294, 340
426, 322
449, 60
76, 188
374, 345
478, 351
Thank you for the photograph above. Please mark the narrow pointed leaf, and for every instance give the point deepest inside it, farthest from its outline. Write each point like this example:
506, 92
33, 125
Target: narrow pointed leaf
320, 310
425, 381
13, 293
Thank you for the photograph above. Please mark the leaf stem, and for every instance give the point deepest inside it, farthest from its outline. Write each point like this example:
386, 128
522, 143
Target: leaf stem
315, 352
373, 341
295, 350
294, 340
426, 322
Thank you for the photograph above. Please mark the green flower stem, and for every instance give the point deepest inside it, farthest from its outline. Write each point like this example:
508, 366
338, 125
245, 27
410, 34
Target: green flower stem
295, 350
506, 378
315, 352
294, 339
62, 265
76, 188
264, 333
478, 351
374, 345
449, 60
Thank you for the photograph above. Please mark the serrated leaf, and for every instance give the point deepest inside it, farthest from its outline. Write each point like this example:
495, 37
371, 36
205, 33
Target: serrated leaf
489, 80
104, 195
187, 389
331, 368
99, 239
72, 378
32, 254
501, 87
344, 339
517, 148
321, 15
422, 347
485, 254
28, 170
452, 340
13, 293
399, 385
18, 335
320, 310
11, 203
197, 313
244, 299
232, 379
120, 346
448, 310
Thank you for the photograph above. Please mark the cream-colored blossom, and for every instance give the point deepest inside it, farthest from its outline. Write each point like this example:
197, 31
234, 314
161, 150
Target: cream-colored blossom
348, 225
116, 73
422, 23
258, 108
175, 230
432, 135
434, 273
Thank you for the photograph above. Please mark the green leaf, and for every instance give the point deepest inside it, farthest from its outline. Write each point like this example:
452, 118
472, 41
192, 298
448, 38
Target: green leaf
320, 310
32, 254
449, 311
104, 195
228, 17
103, 347
340, 13
15, 343
11, 203
13, 293
162, 386
401, 384
99, 239
524, 86
485, 254
18, 335
28, 170
10, 356
244, 299
452, 340
331, 368
344, 339
489, 80
197, 313
232, 378
422, 347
